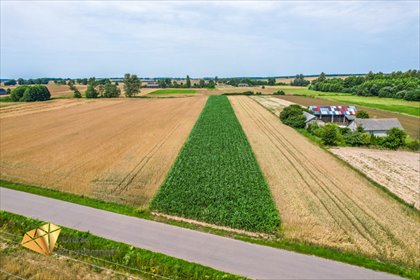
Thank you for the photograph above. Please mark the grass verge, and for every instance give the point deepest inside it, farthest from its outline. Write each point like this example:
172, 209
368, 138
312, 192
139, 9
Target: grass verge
119, 256
78, 199
216, 177
276, 242
174, 91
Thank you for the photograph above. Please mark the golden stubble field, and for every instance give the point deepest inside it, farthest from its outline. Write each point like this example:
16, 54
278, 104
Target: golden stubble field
322, 201
118, 149
396, 170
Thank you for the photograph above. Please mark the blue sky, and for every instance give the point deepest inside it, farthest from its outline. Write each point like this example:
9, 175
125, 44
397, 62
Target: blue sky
227, 38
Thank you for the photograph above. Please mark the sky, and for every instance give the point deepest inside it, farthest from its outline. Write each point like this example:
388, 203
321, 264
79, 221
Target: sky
206, 39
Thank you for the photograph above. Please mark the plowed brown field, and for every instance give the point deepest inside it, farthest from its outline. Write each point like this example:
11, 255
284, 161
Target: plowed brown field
321, 200
118, 150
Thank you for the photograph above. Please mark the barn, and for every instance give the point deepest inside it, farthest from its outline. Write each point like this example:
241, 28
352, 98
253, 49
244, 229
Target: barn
377, 127
336, 114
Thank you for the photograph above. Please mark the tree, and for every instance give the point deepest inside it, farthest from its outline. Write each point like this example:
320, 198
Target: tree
111, 90
211, 84
30, 93
188, 82
11, 82
202, 83
132, 85
271, 81
395, 138
17, 93
329, 134
357, 139
91, 92
92, 81
300, 81
279, 92
322, 77
362, 114
77, 94
293, 116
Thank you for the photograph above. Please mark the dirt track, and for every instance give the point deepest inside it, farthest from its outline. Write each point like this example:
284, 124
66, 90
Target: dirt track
117, 150
321, 200
410, 124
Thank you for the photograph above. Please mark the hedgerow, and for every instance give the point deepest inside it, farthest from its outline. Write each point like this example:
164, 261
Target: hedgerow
216, 177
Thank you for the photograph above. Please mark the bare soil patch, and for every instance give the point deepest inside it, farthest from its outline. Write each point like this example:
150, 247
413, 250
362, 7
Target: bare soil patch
399, 171
118, 150
320, 199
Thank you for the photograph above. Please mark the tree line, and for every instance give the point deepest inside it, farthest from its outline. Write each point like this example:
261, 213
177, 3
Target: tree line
104, 88
401, 85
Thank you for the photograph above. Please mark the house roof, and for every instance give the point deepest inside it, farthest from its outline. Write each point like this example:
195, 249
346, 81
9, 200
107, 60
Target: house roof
378, 124
308, 116
333, 110
350, 117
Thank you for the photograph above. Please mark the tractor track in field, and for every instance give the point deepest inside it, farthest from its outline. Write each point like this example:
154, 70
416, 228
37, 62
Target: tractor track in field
122, 186
358, 215
332, 195
264, 127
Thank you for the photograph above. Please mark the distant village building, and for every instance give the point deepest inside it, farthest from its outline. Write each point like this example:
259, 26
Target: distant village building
152, 84
377, 127
243, 85
3, 91
336, 114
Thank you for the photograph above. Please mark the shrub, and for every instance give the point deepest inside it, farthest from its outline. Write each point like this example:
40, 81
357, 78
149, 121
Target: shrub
279, 92
412, 95
413, 145
77, 94
395, 138
30, 93
17, 93
293, 116
357, 139
330, 134
111, 90
312, 127
91, 92
362, 114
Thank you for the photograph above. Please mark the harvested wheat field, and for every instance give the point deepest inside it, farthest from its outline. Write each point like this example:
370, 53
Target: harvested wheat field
63, 90
396, 170
322, 201
118, 149
11, 109
273, 104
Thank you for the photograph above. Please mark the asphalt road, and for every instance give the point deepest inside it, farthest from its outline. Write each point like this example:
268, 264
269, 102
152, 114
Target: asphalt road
229, 255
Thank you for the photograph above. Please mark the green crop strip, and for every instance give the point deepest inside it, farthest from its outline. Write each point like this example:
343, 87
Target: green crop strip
216, 177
